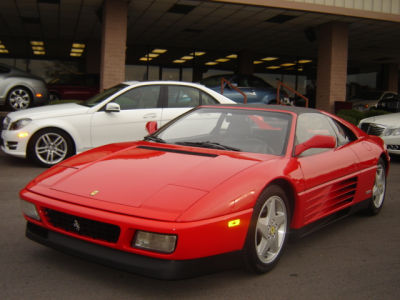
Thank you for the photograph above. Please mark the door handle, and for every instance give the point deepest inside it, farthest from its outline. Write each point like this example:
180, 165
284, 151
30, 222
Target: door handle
150, 115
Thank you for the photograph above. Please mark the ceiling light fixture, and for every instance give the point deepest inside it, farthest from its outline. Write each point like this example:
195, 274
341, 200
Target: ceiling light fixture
304, 61
179, 61
257, 62
273, 67
269, 58
159, 51
211, 63
287, 64
222, 59
187, 57
232, 56
197, 53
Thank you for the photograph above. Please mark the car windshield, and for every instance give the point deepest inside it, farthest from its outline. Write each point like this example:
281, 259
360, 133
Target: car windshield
96, 99
256, 131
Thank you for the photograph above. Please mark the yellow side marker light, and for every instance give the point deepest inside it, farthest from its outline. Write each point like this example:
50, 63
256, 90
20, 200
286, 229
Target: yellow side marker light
234, 223
22, 135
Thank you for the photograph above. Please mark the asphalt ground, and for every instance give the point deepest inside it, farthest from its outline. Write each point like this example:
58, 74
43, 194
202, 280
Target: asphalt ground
355, 258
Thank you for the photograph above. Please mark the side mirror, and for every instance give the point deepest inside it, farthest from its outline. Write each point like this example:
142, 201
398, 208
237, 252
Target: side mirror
151, 127
317, 141
113, 107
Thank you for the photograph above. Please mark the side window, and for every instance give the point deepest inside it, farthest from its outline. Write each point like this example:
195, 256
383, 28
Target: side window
344, 134
140, 97
183, 96
206, 99
309, 125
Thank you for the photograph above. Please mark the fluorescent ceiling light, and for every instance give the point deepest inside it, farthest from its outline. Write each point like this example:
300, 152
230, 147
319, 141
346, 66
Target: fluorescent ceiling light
38, 48
179, 61
256, 62
145, 59
211, 63
187, 57
152, 55
304, 61
233, 56
78, 45
3, 51
273, 67
222, 59
39, 52
75, 54
159, 51
287, 64
37, 43
2, 46
198, 53
269, 58
77, 50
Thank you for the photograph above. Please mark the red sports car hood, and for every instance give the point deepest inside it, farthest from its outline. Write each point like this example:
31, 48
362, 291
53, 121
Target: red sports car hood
142, 178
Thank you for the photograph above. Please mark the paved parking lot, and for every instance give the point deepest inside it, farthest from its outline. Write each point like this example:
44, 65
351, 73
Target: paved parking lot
357, 258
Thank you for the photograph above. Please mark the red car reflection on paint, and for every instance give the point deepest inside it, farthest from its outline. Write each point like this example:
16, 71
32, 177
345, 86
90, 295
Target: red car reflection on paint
216, 184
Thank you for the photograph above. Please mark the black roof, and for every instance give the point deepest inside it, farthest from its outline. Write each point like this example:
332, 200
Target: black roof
294, 109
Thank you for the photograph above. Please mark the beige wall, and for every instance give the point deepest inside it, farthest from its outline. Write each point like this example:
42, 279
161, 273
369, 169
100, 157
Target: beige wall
388, 10
378, 6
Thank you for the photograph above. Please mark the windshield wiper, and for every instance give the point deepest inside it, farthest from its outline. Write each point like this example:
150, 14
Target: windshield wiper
153, 139
208, 144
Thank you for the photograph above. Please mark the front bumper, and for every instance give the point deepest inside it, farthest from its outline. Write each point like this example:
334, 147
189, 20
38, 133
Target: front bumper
12, 144
147, 266
392, 143
198, 242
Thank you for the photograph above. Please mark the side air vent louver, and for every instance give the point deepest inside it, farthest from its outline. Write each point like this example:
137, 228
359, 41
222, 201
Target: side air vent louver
331, 198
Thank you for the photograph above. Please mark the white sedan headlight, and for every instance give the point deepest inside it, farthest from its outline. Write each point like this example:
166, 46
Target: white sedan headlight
157, 242
20, 124
392, 131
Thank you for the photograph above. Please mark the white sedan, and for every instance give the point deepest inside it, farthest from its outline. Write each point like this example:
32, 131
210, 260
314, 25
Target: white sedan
387, 127
49, 134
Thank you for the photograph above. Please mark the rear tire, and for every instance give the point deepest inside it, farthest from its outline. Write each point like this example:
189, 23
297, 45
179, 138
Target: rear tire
379, 189
268, 231
50, 146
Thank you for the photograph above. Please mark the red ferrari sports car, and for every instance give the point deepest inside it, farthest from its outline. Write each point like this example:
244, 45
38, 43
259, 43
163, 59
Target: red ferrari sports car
215, 184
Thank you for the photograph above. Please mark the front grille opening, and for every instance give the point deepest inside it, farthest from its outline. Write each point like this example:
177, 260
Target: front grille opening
12, 145
82, 226
372, 129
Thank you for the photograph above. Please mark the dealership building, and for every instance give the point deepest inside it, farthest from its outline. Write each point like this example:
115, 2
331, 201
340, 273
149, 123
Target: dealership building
340, 47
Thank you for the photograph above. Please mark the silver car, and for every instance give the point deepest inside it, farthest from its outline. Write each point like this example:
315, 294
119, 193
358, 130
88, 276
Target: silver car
19, 89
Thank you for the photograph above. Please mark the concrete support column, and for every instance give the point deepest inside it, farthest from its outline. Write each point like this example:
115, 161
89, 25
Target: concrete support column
113, 43
245, 63
332, 65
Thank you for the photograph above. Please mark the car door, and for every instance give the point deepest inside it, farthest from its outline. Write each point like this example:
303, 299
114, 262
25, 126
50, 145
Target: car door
330, 175
138, 106
178, 99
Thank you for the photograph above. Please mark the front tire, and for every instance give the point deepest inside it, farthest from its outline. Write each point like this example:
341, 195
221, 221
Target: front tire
19, 98
50, 146
267, 235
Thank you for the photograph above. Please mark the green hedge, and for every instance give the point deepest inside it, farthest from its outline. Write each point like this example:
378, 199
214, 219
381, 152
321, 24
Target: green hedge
354, 116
